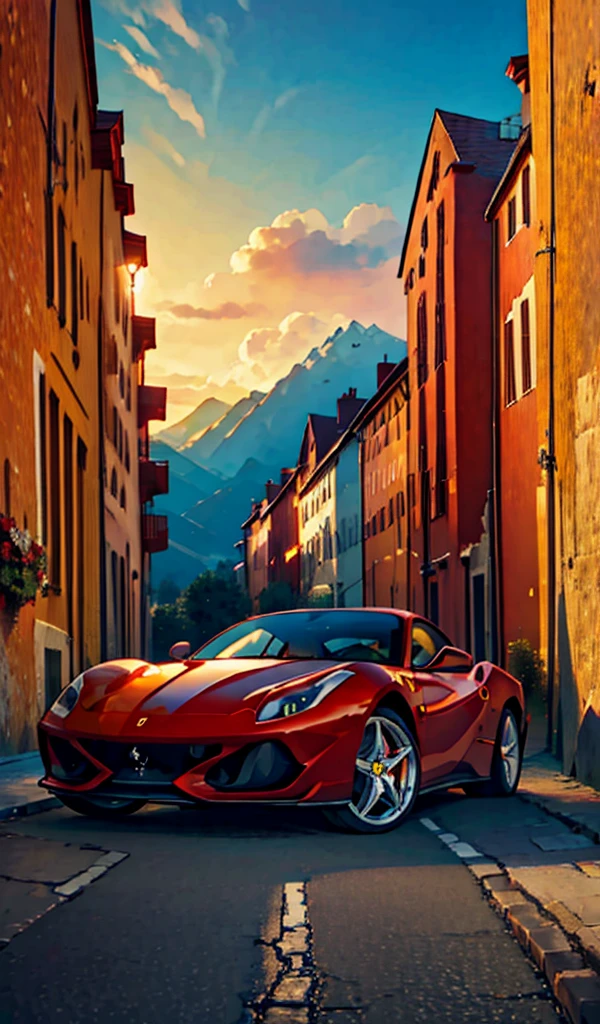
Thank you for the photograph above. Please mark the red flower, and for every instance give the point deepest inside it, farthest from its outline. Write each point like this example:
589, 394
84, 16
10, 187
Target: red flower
39, 575
7, 523
6, 551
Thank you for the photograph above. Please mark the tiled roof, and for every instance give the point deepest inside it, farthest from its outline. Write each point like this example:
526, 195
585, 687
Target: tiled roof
325, 429
477, 142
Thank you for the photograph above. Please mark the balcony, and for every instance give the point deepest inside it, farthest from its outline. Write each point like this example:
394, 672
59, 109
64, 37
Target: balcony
124, 201
152, 404
134, 249
143, 329
155, 533
154, 479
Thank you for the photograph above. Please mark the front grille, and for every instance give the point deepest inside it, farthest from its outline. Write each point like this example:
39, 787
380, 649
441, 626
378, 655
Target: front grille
150, 762
258, 766
72, 765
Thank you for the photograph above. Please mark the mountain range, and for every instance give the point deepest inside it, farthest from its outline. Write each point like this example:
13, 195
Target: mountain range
219, 465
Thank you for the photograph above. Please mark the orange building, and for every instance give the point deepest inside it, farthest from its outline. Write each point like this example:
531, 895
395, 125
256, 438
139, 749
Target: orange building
446, 266
67, 360
383, 427
512, 213
256, 548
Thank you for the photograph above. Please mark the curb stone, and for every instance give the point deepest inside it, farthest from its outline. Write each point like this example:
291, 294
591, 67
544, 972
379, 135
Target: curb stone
575, 986
28, 807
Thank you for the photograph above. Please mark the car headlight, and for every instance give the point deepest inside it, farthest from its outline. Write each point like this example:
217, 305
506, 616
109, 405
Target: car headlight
64, 704
301, 700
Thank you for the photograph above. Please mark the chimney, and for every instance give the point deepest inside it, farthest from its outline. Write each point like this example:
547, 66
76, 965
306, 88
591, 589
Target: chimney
518, 72
285, 476
383, 370
272, 490
347, 408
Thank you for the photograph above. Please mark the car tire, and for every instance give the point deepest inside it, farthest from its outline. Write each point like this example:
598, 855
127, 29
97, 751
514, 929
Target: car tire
507, 759
386, 779
100, 807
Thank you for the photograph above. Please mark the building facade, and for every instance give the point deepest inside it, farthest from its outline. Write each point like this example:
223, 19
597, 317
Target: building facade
69, 420
565, 94
517, 484
446, 266
384, 426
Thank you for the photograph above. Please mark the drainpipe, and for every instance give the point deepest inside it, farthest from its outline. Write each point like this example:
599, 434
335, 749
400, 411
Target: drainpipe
101, 451
497, 624
549, 457
50, 132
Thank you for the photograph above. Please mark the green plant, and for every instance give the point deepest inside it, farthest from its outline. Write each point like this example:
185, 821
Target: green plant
277, 597
526, 665
23, 567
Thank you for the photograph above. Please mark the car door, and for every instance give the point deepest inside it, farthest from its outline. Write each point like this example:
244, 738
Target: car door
451, 707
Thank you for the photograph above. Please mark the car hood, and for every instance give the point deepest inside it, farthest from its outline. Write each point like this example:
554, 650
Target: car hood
201, 687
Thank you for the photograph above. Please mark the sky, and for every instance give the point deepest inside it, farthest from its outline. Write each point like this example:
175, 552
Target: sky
274, 149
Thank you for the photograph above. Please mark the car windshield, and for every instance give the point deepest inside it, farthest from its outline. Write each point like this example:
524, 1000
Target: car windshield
324, 635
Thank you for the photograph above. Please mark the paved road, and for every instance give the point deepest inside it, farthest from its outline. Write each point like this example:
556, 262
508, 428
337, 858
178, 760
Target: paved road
177, 931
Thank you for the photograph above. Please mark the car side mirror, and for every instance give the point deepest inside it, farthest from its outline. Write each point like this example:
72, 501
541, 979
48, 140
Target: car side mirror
451, 659
180, 651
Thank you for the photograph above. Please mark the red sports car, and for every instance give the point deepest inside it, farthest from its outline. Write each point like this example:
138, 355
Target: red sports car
353, 710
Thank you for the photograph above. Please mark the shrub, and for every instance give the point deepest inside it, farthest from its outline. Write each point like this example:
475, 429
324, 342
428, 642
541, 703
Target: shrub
525, 664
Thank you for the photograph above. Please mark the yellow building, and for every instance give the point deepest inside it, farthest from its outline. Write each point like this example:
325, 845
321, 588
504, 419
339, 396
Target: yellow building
565, 90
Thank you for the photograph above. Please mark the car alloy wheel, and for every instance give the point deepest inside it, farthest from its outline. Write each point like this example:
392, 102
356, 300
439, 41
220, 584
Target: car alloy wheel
386, 779
507, 758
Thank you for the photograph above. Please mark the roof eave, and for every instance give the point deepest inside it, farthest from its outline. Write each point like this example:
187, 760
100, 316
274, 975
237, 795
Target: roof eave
521, 151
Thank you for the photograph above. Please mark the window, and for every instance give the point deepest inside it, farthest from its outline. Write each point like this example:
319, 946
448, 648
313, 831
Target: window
526, 347
87, 299
121, 381
435, 175
391, 512
69, 523
127, 456
128, 403
113, 483
422, 340
7, 501
117, 295
55, 492
426, 642
440, 452
421, 266
526, 195
424, 235
411, 491
81, 296
347, 636
81, 468
374, 526
74, 294
41, 458
382, 519
509, 364
423, 454
399, 514
123, 499
115, 426
512, 217
62, 268
440, 307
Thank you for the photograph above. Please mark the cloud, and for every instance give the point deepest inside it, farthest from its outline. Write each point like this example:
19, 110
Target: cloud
160, 144
170, 14
273, 350
266, 112
244, 4
304, 243
226, 311
142, 40
179, 100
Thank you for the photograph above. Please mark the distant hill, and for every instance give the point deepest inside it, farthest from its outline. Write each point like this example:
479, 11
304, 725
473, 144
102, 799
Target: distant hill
201, 446
207, 412
272, 430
